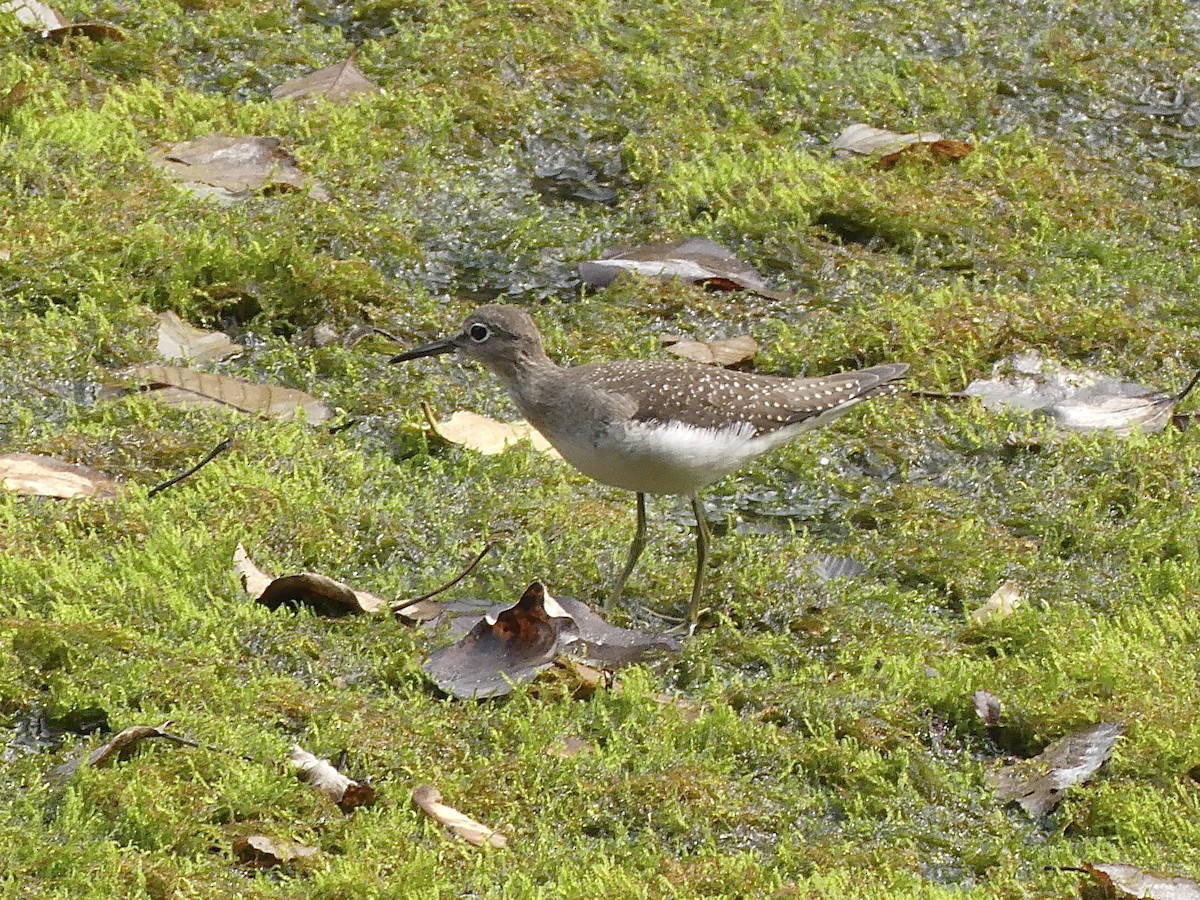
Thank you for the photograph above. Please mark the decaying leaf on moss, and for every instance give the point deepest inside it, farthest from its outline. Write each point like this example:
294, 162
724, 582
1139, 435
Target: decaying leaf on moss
1038, 784
322, 594
44, 476
429, 799
54, 26
728, 352
484, 435
227, 167
265, 852
177, 340
1077, 400
347, 793
890, 147
505, 650
1118, 881
334, 83
695, 260
188, 388
510, 647
1003, 602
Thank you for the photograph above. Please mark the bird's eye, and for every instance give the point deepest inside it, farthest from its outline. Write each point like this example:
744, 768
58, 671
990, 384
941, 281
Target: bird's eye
479, 333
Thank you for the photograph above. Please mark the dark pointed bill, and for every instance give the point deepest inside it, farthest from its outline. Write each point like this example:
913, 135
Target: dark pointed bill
433, 348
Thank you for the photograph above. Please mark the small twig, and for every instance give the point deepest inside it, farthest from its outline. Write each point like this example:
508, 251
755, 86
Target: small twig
213, 454
1188, 389
938, 395
387, 334
401, 605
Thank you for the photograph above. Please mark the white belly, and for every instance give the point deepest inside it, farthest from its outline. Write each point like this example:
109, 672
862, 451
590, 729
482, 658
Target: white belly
667, 459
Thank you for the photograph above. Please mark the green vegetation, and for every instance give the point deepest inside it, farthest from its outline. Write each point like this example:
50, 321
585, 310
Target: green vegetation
838, 754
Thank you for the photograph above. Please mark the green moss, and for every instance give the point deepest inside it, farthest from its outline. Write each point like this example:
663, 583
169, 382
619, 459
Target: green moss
838, 753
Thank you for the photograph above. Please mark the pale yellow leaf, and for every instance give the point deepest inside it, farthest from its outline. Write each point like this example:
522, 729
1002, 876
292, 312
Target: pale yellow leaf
187, 387
45, 476
1004, 602
177, 340
485, 435
721, 352
429, 799
333, 83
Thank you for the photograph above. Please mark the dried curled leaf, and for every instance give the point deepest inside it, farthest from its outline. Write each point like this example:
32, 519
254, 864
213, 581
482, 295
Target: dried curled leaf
322, 594
347, 793
1004, 601
1118, 881
1038, 784
45, 476
728, 352
338, 82
231, 168
695, 260
189, 388
484, 435
503, 651
865, 140
429, 799
124, 742
267, 852
177, 340
54, 26
987, 707
1081, 400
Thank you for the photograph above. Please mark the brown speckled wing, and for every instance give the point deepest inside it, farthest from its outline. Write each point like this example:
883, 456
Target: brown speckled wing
711, 397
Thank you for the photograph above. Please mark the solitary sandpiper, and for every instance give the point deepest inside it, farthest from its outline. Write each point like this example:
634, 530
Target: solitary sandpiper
649, 426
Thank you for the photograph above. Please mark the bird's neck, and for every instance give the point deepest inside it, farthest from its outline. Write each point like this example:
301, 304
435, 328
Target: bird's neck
530, 378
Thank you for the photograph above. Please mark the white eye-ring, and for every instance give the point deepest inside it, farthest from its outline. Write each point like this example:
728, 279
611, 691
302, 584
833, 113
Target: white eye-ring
479, 333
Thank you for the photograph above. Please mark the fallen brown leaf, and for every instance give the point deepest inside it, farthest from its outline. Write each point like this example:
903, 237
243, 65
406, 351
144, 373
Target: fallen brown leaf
189, 388
334, 83
266, 852
1005, 600
45, 476
728, 352
54, 26
890, 147
122, 744
695, 260
1118, 881
177, 340
484, 435
231, 168
347, 793
1038, 784
321, 593
506, 650
429, 799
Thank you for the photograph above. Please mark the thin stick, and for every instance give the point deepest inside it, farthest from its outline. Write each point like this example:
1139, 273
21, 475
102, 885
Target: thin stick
387, 334
215, 452
401, 605
938, 395
1187, 390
